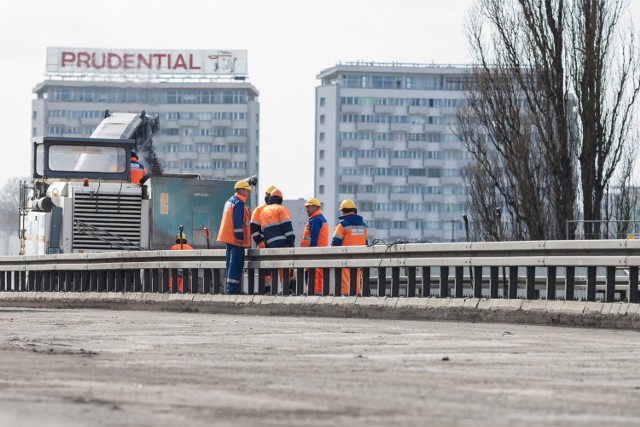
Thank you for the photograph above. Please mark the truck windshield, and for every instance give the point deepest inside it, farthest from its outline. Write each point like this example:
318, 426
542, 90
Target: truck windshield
75, 158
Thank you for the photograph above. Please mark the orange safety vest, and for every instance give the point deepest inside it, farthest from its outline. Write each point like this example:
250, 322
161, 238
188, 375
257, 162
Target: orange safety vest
323, 236
256, 230
323, 240
352, 235
227, 233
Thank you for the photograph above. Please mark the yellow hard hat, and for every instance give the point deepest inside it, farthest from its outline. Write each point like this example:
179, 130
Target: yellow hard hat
313, 202
347, 204
276, 193
181, 236
242, 185
270, 190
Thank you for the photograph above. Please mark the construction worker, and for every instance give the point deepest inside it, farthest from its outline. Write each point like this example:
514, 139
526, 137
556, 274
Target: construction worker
235, 233
350, 231
181, 245
315, 234
275, 222
138, 171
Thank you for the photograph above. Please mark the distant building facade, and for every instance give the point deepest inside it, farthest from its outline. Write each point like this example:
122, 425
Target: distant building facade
209, 113
385, 137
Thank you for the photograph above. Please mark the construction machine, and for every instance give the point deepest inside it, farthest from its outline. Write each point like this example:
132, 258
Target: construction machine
81, 198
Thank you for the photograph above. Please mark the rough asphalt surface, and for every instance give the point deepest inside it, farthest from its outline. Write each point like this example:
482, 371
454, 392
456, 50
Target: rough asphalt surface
93, 367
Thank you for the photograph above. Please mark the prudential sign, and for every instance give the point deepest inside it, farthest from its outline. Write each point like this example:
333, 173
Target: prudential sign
193, 63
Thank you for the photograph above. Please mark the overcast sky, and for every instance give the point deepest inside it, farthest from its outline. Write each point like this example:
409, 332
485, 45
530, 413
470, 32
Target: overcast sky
288, 42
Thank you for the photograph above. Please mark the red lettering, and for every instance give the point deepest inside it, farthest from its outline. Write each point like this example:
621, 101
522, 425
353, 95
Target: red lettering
83, 58
159, 57
191, 66
168, 61
180, 63
95, 65
67, 58
146, 61
128, 61
113, 61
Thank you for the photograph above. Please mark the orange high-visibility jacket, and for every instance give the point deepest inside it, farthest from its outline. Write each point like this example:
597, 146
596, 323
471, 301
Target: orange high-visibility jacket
235, 222
316, 231
275, 221
137, 171
256, 230
350, 231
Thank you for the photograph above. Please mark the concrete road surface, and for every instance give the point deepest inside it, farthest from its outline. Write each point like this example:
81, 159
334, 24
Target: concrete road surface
145, 368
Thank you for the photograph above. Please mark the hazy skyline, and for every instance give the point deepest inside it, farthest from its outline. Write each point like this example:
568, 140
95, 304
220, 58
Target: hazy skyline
288, 42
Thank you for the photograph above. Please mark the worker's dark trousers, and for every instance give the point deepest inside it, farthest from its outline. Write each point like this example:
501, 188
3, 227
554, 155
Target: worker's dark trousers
235, 264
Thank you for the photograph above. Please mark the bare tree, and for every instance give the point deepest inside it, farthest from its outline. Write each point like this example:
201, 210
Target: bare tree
524, 122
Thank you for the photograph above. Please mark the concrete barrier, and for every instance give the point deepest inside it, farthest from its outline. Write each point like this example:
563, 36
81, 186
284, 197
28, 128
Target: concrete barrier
541, 312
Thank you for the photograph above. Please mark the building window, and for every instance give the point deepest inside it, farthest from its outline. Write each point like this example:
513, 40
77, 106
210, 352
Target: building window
322, 119
322, 102
321, 171
34, 115
321, 154
321, 136
321, 189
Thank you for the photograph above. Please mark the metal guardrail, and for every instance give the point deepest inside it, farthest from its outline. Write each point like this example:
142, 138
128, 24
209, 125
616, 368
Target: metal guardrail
590, 270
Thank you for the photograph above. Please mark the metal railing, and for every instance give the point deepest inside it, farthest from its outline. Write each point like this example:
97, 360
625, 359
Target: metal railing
588, 270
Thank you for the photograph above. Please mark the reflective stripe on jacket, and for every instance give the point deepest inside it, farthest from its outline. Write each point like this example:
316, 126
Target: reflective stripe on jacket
350, 231
235, 222
256, 230
316, 231
277, 229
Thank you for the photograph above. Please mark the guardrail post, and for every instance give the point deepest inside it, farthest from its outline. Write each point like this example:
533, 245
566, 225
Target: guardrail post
382, 281
633, 284
218, 277
426, 281
174, 280
262, 278
23, 281
366, 282
137, 280
411, 282
275, 279
310, 279
551, 282
530, 285
286, 281
46, 278
31, 281
326, 281
459, 281
102, 281
251, 281
395, 282
186, 281
3, 282
206, 281
513, 282
611, 284
84, 280
165, 281
569, 283
354, 276
444, 282
494, 281
337, 286
591, 283
300, 281
477, 281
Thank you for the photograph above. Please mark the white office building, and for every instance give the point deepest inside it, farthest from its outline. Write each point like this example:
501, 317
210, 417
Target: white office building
209, 112
385, 138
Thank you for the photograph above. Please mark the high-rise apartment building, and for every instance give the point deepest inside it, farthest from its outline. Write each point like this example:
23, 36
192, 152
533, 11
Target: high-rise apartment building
385, 137
209, 113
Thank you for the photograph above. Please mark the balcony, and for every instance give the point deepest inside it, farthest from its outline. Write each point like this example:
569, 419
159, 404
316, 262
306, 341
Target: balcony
203, 139
414, 109
188, 122
349, 108
225, 123
432, 163
57, 120
416, 215
369, 161
169, 139
386, 145
385, 179
219, 156
433, 198
400, 162
353, 143
435, 127
451, 145
374, 127
231, 139
417, 180
90, 121
187, 155
384, 109
451, 180
400, 127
